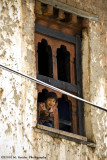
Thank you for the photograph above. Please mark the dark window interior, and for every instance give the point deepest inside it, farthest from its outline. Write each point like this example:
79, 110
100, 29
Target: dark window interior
45, 64
63, 64
65, 114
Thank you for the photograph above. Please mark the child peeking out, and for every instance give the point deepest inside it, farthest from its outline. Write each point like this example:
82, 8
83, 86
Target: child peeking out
47, 109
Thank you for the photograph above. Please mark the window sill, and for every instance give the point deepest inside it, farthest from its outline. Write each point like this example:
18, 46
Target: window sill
65, 135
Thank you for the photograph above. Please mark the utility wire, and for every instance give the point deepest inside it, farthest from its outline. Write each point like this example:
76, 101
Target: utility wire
50, 86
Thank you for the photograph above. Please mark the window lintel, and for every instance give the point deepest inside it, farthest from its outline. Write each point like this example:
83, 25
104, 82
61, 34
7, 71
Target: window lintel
70, 9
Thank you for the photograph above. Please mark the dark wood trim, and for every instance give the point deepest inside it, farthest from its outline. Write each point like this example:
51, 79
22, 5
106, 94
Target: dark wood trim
55, 34
70, 9
64, 133
57, 83
49, 21
62, 136
79, 84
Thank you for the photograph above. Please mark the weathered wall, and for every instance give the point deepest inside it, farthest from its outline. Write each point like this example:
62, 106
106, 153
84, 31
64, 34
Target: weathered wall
18, 95
94, 68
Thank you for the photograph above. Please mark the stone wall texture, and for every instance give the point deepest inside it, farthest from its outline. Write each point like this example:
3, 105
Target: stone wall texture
18, 105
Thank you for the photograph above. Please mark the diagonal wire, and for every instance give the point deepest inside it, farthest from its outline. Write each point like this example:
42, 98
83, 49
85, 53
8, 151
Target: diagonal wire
50, 86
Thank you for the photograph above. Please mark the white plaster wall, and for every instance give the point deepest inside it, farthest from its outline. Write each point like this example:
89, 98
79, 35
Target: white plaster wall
18, 97
98, 84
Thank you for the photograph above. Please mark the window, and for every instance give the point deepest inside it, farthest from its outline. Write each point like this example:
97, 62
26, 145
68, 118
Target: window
45, 64
58, 59
63, 64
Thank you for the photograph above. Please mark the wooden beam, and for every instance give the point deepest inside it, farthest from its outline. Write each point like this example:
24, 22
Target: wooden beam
38, 9
85, 23
73, 19
79, 84
48, 10
56, 135
57, 83
56, 119
55, 34
61, 15
70, 9
62, 132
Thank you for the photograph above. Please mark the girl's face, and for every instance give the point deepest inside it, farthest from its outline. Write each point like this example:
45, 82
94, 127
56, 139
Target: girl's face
50, 102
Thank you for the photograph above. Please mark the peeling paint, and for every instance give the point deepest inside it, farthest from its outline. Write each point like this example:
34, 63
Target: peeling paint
8, 130
1, 92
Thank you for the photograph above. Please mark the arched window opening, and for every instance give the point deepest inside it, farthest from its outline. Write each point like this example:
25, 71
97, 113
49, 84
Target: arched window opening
65, 114
62, 110
63, 64
45, 63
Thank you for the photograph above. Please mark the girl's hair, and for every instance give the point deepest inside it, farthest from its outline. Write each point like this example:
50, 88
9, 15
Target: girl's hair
44, 95
51, 95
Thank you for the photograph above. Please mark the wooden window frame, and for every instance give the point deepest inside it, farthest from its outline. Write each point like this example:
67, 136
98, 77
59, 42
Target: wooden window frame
77, 89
